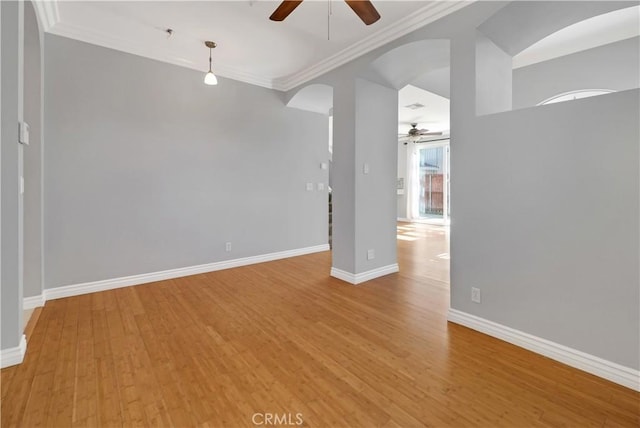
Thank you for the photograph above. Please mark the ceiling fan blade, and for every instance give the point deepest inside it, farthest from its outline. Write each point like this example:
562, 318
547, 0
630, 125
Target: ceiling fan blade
285, 8
432, 133
365, 10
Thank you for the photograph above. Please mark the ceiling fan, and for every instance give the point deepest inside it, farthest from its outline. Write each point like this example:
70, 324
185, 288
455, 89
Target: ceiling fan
363, 8
416, 134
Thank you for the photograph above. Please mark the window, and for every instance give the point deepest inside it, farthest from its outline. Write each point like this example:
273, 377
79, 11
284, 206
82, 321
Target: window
575, 95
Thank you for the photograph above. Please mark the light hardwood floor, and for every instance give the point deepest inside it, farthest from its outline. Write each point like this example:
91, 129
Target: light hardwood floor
284, 338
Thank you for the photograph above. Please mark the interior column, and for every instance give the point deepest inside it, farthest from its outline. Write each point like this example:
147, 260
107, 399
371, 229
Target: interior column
364, 175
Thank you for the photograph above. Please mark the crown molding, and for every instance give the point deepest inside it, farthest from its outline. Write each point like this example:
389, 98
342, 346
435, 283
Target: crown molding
47, 12
88, 35
420, 18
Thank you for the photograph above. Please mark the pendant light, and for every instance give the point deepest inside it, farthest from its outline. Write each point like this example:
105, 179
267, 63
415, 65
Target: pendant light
210, 78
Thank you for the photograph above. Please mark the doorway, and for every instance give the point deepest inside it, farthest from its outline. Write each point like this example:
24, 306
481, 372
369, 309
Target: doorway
430, 200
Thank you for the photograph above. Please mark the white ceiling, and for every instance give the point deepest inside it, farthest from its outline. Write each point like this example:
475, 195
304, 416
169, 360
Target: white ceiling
402, 65
251, 48
434, 116
282, 55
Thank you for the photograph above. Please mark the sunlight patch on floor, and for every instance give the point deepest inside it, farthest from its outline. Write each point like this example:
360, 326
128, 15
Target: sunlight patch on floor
406, 238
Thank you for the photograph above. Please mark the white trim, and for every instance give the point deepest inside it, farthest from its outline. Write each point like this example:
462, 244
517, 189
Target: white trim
426, 15
580, 92
48, 11
110, 284
359, 278
614, 372
343, 275
89, 35
33, 302
404, 219
13, 356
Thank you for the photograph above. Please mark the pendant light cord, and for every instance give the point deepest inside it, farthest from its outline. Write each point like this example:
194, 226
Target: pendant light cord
210, 60
329, 13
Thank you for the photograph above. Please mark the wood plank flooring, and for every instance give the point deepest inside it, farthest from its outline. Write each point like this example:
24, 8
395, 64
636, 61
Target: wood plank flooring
282, 342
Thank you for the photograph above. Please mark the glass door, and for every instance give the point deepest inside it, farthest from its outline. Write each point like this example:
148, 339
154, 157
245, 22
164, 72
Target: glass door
432, 170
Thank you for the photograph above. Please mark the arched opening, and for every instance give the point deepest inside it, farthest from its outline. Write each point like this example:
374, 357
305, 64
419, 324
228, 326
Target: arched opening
421, 72
578, 60
318, 98
423, 158
416, 62
555, 48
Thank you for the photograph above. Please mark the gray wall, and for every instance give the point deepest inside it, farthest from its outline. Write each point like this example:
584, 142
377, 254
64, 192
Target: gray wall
376, 145
11, 157
364, 204
547, 223
343, 173
613, 66
493, 77
148, 169
32, 156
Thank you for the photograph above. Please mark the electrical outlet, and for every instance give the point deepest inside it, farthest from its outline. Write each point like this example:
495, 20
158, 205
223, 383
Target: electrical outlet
371, 254
227, 247
475, 294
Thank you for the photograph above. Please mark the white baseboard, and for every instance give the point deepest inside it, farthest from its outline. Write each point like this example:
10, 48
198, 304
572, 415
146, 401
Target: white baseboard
359, 278
614, 372
13, 356
33, 302
343, 275
126, 281
403, 219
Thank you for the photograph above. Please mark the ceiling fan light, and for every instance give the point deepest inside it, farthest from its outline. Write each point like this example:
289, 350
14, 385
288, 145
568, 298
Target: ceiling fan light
210, 78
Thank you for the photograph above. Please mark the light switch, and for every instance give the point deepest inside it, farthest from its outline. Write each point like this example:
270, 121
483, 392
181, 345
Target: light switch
365, 168
324, 165
371, 254
23, 131
309, 187
320, 186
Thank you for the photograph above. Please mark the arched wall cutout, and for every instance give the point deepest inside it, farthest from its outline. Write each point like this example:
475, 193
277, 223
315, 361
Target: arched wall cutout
520, 25
317, 98
402, 65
